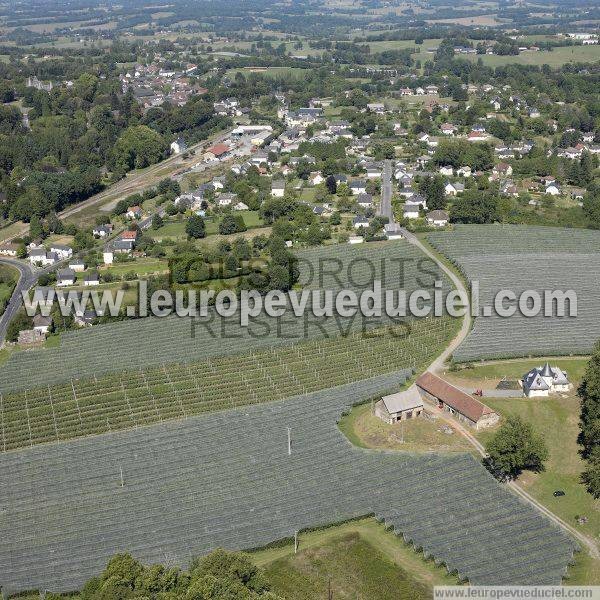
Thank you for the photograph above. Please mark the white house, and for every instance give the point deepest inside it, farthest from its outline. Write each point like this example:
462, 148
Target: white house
393, 231
134, 212
65, 277
278, 189
542, 381
359, 222
316, 178
437, 218
61, 251
452, 189
357, 186
553, 190
178, 146
446, 170
77, 265
108, 256
227, 199
411, 210
91, 279
240, 206
42, 324
464, 172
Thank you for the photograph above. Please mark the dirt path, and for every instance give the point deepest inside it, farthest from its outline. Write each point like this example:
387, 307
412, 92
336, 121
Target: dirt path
438, 365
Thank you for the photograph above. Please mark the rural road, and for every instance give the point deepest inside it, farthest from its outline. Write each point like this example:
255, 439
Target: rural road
27, 277
385, 208
438, 364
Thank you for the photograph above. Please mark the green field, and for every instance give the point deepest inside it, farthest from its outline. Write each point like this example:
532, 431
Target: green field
350, 567
295, 72
139, 266
176, 229
556, 58
556, 418
390, 549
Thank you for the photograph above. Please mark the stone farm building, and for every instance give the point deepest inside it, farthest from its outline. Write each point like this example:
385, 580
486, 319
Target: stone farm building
400, 406
463, 406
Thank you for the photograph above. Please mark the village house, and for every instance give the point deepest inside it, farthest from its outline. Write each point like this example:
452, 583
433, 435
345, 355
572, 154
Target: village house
542, 381
400, 406
357, 186
411, 210
77, 265
227, 199
178, 146
360, 221
216, 152
61, 251
91, 279
102, 231
437, 218
364, 200
134, 212
452, 189
393, 231
42, 324
450, 399
65, 277
278, 189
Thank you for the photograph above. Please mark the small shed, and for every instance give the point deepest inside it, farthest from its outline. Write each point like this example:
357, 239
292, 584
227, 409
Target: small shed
400, 406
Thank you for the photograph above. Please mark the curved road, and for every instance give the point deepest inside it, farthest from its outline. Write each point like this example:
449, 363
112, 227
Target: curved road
28, 276
438, 365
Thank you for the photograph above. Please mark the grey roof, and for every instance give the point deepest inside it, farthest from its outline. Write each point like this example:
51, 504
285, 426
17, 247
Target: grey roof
401, 401
66, 274
546, 371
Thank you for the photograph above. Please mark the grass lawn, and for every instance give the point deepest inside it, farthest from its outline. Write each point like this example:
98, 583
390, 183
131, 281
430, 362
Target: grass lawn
12, 230
363, 560
140, 266
556, 58
176, 229
515, 369
366, 430
556, 418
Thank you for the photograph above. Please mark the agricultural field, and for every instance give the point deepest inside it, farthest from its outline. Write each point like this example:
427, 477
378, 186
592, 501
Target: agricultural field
135, 398
349, 566
152, 342
558, 57
181, 488
522, 258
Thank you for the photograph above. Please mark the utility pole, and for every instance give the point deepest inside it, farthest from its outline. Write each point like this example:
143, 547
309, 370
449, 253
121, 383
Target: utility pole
121, 470
295, 542
289, 432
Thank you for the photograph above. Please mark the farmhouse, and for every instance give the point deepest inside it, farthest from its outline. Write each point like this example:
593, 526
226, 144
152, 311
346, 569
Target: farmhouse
449, 398
542, 381
437, 218
400, 407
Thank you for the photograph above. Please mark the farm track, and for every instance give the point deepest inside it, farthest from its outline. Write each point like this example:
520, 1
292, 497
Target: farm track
438, 364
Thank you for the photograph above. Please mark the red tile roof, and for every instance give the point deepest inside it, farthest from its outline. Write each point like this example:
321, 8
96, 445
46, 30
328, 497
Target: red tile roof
453, 397
219, 149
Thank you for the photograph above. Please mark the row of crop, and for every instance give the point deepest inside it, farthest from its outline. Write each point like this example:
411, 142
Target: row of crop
144, 396
226, 479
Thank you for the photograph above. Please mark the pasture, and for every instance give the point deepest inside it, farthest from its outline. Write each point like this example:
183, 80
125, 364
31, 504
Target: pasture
558, 57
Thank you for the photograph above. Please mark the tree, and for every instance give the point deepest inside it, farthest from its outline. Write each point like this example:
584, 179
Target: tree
475, 206
433, 189
195, 227
331, 184
138, 147
157, 221
20, 322
591, 477
516, 447
231, 224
